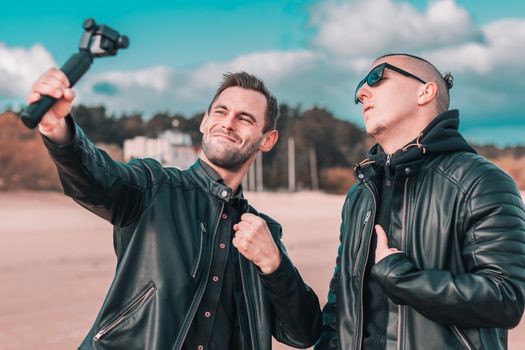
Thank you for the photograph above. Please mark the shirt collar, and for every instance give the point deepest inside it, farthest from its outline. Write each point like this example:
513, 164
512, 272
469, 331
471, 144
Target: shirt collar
217, 178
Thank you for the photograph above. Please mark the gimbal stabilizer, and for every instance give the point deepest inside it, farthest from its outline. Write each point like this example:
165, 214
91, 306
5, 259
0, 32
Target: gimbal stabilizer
97, 41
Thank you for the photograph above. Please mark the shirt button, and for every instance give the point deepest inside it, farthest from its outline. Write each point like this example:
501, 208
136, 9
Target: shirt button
224, 193
215, 279
222, 245
207, 314
224, 215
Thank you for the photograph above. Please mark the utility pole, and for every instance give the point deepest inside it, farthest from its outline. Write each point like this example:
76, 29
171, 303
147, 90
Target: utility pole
291, 164
259, 172
313, 168
251, 177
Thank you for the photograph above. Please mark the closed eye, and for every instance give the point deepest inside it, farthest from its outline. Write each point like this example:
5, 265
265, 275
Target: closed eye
246, 119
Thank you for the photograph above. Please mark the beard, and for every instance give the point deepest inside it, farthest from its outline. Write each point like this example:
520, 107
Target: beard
228, 155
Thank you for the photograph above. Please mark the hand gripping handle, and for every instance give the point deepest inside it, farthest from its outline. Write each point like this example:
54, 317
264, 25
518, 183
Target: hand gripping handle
74, 68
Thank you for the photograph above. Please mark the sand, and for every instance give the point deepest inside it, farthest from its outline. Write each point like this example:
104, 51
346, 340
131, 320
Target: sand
57, 261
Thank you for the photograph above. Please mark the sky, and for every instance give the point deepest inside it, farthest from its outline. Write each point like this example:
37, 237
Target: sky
310, 53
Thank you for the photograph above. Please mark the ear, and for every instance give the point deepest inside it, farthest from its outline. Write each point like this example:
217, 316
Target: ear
427, 93
201, 126
269, 140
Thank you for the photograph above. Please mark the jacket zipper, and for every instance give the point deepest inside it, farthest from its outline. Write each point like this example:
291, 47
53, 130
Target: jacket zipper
462, 338
367, 217
200, 293
388, 158
400, 308
248, 309
135, 304
202, 230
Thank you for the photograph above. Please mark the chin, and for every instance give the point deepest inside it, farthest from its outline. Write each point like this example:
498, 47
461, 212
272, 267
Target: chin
376, 130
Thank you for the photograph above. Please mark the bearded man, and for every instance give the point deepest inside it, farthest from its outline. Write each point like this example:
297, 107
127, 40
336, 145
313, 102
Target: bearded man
197, 267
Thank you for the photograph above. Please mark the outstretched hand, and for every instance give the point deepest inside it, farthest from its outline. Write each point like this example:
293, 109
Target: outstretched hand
53, 83
382, 249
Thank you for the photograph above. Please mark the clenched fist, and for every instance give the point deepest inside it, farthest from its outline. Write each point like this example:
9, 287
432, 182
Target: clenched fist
254, 241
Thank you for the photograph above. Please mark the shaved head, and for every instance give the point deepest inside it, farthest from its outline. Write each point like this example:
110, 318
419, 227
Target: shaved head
428, 72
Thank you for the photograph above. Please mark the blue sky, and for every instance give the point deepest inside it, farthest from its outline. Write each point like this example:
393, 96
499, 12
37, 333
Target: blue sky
309, 52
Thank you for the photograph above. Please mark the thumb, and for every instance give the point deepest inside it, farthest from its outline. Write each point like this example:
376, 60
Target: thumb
69, 95
382, 239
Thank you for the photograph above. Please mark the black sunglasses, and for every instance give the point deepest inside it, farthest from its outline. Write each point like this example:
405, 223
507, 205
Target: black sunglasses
376, 74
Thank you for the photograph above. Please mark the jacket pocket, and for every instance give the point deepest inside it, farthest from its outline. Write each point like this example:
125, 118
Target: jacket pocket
127, 311
200, 249
462, 338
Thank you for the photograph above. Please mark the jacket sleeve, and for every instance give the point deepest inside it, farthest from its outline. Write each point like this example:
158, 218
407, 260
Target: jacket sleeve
297, 314
115, 191
491, 292
328, 339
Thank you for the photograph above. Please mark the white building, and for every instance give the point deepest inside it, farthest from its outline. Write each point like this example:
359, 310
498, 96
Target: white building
171, 148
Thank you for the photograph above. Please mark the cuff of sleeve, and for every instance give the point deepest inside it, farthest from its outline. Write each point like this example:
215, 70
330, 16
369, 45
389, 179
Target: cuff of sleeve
68, 147
281, 274
382, 269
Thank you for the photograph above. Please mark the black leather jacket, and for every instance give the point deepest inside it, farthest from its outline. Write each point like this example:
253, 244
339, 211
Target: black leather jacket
165, 220
460, 222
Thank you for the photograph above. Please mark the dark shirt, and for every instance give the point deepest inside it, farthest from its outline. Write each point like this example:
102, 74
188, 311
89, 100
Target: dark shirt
215, 323
375, 306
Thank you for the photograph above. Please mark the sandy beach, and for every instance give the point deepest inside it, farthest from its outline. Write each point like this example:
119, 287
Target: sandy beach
57, 261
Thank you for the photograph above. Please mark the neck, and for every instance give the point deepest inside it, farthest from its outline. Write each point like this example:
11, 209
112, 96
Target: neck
393, 139
231, 178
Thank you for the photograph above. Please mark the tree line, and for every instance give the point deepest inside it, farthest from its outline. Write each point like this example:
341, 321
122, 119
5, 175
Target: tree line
337, 144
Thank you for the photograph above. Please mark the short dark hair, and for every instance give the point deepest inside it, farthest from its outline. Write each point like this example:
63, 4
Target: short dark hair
251, 82
429, 72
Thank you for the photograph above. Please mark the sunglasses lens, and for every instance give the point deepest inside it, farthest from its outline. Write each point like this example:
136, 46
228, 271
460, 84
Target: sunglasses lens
371, 79
375, 75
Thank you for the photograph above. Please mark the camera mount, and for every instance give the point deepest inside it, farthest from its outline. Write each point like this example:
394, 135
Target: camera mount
97, 41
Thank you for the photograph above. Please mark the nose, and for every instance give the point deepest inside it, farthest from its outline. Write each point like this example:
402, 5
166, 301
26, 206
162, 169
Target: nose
228, 121
363, 93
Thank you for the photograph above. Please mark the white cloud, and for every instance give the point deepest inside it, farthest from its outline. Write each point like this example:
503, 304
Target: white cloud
20, 67
162, 88
357, 28
486, 60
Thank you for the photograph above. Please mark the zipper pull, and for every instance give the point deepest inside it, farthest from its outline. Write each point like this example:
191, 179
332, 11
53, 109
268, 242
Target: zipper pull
388, 157
367, 217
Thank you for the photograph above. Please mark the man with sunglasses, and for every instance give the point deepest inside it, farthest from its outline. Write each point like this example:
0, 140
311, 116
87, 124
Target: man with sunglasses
432, 252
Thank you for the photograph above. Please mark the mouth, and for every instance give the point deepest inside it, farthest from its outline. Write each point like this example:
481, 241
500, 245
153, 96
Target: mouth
367, 107
225, 136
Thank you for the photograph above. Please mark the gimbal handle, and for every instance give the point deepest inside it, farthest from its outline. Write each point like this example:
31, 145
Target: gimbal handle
97, 41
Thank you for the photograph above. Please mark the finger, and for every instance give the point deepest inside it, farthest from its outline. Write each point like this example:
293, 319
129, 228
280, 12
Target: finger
241, 244
243, 225
382, 239
53, 80
249, 217
58, 75
69, 95
244, 236
32, 98
43, 88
